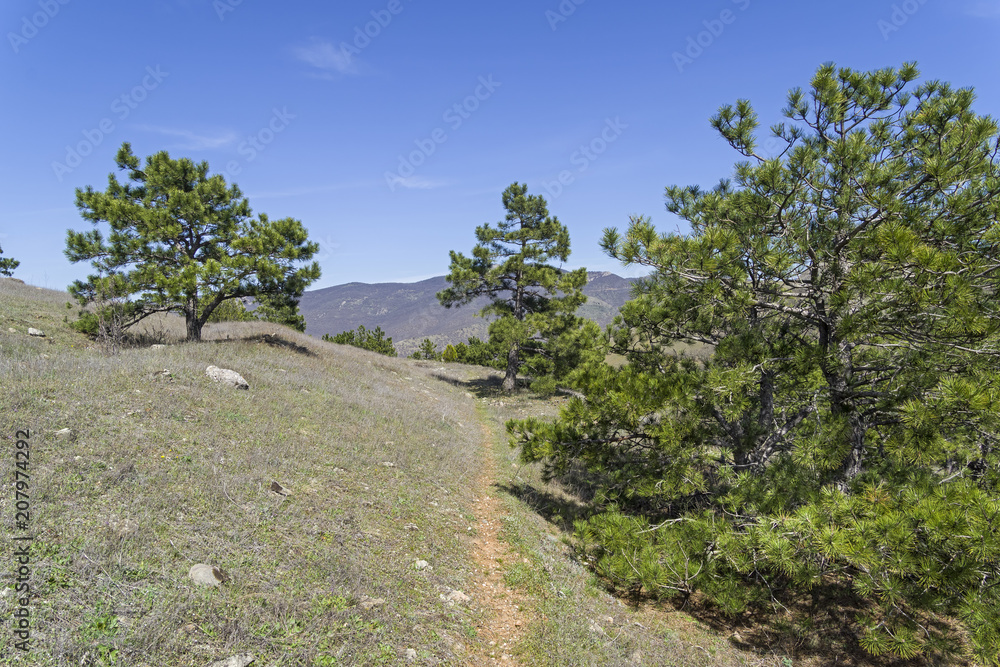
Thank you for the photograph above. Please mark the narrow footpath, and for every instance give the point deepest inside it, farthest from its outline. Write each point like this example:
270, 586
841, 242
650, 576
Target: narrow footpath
506, 617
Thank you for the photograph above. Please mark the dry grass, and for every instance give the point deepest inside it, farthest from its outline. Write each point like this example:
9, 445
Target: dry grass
165, 470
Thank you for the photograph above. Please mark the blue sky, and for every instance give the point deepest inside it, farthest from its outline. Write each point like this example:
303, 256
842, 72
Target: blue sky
390, 127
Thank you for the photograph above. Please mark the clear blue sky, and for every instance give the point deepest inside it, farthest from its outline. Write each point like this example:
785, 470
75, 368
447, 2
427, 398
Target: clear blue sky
359, 136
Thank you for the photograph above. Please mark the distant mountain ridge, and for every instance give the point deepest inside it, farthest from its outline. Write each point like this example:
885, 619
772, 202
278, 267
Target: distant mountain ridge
410, 312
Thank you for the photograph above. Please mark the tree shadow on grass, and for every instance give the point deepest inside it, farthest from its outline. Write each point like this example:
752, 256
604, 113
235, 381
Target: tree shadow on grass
271, 340
489, 386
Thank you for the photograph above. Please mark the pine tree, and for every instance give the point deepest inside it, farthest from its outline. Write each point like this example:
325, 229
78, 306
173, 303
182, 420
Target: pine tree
510, 265
183, 241
427, 351
842, 429
367, 339
7, 265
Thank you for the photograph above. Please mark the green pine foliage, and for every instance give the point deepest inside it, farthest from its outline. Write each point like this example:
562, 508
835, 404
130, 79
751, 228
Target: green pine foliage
231, 310
449, 355
280, 308
367, 339
843, 432
427, 351
531, 300
7, 265
183, 241
476, 352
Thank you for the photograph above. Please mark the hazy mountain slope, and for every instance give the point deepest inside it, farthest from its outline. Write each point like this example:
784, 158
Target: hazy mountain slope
409, 312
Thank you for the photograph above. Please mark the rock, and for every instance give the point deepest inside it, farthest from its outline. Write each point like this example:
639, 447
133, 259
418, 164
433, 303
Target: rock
65, 434
455, 596
411, 655
207, 575
241, 660
411, 526
11, 330
421, 565
157, 346
36, 332
370, 603
226, 376
279, 489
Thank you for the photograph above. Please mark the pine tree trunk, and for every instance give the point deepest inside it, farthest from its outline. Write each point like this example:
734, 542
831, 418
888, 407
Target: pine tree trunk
510, 380
193, 323
842, 405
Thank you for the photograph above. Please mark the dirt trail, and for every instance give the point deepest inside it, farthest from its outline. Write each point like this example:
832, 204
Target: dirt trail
505, 620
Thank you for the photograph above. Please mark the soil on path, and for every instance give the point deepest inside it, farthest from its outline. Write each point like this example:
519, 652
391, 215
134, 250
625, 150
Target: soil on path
505, 616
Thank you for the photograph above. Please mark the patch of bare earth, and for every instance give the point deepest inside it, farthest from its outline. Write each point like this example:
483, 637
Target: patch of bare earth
505, 621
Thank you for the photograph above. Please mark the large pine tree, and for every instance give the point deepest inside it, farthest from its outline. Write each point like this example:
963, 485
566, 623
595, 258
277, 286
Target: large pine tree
842, 426
533, 301
183, 241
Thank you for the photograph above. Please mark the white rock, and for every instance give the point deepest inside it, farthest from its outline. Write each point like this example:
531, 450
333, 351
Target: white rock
227, 376
64, 433
371, 603
207, 575
421, 565
241, 660
456, 596
411, 655
36, 332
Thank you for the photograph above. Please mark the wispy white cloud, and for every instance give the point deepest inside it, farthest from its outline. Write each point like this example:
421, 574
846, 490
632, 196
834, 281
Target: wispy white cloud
328, 58
418, 183
188, 140
987, 9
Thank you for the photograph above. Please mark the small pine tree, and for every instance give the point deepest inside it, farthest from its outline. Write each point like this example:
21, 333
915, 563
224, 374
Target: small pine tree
450, 354
374, 340
7, 265
427, 350
511, 265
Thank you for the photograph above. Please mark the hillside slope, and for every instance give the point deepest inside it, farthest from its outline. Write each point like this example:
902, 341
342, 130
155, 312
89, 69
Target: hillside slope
365, 511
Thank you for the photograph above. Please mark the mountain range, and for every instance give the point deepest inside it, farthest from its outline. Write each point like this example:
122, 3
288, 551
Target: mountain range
410, 312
